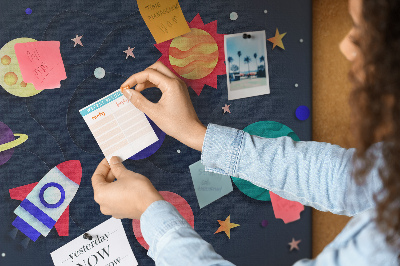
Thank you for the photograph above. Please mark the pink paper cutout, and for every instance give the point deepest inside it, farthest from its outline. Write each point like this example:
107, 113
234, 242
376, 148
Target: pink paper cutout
41, 64
178, 202
220, 69
288, 211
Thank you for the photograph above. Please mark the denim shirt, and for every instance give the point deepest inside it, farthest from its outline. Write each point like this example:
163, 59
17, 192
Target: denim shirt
313, 173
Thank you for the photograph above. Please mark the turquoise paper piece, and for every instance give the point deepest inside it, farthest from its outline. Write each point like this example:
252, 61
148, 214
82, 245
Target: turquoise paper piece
265, 129
209, 186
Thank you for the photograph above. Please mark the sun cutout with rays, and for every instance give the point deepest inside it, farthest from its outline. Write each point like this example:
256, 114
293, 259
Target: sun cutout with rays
197, 56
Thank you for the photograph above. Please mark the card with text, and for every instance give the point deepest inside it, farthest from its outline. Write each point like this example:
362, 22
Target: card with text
108, 246
164, 18
118, 126
209, 186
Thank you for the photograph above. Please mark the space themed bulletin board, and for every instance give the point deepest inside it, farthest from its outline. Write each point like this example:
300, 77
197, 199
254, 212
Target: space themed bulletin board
46, 146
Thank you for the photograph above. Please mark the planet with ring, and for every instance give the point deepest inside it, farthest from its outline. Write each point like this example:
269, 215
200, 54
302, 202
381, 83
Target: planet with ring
8, 141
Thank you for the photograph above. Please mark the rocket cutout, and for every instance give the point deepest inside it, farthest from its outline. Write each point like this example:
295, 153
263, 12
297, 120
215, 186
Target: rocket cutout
46, 204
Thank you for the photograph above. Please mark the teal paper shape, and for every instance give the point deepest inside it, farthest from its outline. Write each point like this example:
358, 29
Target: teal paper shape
265, 129
209, 186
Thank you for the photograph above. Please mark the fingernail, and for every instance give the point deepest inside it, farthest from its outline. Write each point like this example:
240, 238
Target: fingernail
124, 88
115, 160
127, 93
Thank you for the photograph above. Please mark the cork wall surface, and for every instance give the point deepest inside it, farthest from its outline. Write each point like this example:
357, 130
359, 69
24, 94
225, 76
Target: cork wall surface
331, 89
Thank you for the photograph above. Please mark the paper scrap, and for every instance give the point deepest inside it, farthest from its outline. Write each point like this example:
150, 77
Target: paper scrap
288, 211
164, 19
226, 226
109, 246
41, 64
209, 186
178, 202
118, 126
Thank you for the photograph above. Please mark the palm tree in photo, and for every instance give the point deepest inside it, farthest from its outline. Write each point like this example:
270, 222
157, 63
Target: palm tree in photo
262, 59
247, 60
262, 70
255, 60
230, 60
239, 55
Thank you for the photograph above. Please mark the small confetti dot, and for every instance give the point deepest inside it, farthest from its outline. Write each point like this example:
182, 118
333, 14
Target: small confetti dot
301, 40
233, 16
296, 85
302, 112
99, 72
264, 223
265, 11
28, 11
3, 254
178, 151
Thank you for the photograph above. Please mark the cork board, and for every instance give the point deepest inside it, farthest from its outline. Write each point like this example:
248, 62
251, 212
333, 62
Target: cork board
331, 89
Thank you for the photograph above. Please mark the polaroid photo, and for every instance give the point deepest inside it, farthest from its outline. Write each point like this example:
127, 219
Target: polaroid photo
246, 64
118, 126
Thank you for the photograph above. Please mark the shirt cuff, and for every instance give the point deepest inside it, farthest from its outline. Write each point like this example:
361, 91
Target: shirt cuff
221, 149
158, 219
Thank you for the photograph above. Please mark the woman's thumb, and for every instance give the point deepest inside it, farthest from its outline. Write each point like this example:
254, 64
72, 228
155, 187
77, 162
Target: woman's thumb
117, 167
138, 100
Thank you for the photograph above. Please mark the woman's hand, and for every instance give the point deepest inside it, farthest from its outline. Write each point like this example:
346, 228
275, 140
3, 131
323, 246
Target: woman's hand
128, 196
174, 112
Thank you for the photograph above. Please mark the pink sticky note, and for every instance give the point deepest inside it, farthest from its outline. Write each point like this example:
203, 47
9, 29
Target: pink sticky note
288, 211
41, 63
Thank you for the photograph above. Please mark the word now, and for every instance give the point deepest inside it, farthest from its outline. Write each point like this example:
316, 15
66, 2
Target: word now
94, 259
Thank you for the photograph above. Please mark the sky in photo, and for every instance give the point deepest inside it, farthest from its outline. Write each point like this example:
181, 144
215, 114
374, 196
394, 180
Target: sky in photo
256, 44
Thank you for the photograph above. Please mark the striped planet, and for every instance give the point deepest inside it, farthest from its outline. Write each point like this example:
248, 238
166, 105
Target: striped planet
194, 55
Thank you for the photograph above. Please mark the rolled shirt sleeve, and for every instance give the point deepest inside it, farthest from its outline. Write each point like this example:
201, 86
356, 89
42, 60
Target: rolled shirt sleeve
316, 174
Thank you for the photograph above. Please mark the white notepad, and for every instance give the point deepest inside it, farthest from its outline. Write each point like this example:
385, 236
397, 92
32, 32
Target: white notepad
118, 126
109, 246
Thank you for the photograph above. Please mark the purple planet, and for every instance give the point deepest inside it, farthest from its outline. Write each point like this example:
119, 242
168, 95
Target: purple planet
6, 136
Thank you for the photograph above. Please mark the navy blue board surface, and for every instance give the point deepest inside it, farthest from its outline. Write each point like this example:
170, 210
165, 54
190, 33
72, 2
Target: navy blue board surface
58, 133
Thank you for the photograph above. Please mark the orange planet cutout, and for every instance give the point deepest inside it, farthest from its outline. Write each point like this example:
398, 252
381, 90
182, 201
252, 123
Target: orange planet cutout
194, 55
10, 78
197, 56
178, 202
6, 60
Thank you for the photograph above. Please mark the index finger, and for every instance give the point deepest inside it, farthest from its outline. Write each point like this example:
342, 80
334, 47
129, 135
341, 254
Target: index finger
160, 67
160, 80
100, 174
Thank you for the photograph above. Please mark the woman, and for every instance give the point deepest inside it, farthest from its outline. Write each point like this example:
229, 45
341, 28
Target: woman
360, 182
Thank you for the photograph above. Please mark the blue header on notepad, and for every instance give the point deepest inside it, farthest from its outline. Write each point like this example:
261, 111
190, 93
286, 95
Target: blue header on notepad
100, 103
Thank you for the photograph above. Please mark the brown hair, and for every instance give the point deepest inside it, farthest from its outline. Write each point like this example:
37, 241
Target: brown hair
376, 108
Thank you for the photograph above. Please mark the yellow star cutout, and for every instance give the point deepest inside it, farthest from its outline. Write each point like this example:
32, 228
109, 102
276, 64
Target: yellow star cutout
226, 226
277, 40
